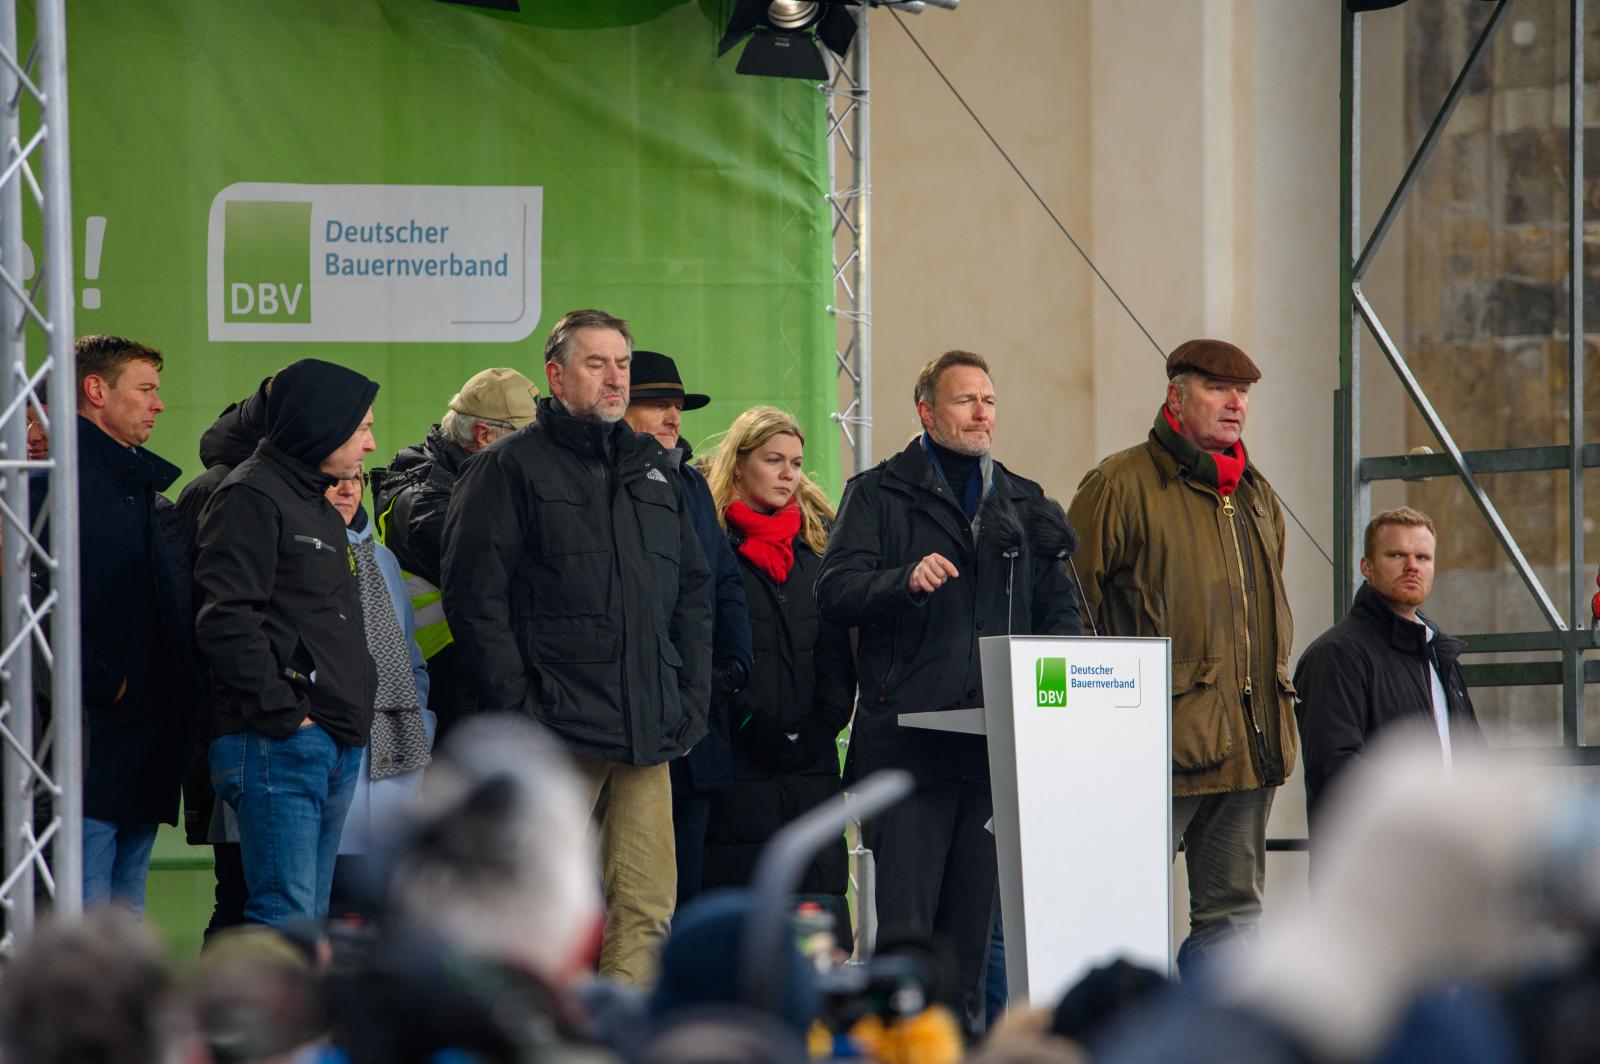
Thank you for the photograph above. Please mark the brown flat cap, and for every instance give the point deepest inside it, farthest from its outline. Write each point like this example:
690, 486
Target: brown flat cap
1213, 358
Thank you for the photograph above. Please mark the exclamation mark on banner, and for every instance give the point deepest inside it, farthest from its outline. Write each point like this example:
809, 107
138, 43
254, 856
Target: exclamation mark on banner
94, 239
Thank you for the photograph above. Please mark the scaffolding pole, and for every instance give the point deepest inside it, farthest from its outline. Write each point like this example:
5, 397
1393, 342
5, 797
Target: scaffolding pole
39, 583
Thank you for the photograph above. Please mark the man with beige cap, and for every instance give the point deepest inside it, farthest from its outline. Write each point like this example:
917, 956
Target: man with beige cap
410, 498
1181, 536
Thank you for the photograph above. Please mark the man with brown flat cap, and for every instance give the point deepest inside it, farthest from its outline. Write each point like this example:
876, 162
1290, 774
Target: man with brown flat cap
1183, 537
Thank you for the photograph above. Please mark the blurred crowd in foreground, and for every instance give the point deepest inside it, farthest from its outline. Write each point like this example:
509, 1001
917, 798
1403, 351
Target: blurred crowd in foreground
1453, 917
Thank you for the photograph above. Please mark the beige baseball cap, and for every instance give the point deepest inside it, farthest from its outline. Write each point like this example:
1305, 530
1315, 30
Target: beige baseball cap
498, 394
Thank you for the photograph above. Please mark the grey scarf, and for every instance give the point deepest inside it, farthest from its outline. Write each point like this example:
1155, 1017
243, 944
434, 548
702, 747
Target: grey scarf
399, 742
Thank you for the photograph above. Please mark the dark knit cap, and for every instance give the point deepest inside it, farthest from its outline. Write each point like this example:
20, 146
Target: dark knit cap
700, 964
315, 406
1212, 358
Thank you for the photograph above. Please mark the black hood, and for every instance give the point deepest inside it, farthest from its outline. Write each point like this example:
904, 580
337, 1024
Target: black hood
315, 407
233, 436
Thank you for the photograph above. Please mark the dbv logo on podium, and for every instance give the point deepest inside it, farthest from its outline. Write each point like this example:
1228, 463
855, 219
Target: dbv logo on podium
1051, 676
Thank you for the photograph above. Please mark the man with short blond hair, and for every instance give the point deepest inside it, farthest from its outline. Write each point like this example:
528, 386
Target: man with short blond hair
1183, 537
575, 585
1384, 664
912, 565
140, 684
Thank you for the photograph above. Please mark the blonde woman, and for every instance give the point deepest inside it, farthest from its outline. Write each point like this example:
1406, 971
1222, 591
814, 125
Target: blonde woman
785, 724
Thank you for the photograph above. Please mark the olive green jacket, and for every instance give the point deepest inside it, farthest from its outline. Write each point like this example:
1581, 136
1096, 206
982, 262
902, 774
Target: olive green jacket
1163, 553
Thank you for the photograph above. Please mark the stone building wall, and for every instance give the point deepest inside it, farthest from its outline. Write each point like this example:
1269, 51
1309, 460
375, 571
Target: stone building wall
1486, 329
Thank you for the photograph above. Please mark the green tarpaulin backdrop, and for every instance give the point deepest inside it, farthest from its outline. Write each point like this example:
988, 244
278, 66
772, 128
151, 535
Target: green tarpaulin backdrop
654, 181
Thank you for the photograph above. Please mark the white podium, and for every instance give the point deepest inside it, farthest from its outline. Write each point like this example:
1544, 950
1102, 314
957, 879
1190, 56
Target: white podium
1080, 765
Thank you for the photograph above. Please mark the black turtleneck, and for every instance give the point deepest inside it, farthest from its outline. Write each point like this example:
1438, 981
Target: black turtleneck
958, 469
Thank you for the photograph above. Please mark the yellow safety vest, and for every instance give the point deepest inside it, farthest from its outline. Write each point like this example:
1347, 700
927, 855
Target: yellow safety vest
427, 603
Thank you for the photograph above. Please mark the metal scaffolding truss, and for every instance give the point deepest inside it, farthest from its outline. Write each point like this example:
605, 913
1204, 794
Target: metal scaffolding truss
42, 762
849, 196
1354, 474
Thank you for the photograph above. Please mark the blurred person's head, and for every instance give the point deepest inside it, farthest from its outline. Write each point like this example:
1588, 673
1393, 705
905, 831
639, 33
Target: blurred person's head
92, 990
1397, 561
498, 863
586, 360
493, 403
700, 966
38, 434
119, 387
760, 461
256, 996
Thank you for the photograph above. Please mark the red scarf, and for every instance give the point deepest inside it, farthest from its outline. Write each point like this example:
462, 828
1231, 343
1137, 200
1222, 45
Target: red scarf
1230, 463
767, 539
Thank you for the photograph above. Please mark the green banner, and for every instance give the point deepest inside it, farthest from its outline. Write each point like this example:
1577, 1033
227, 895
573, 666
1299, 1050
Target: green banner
419, 189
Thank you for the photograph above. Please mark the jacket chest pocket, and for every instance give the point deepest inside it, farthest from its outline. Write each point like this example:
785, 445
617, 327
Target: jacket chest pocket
656, 510
568, 524
331, 558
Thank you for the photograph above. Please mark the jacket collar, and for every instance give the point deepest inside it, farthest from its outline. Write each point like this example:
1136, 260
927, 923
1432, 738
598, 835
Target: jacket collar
448, 455
1177, 456
309, 481
136, 462
916, 472
586, 437
1405, 636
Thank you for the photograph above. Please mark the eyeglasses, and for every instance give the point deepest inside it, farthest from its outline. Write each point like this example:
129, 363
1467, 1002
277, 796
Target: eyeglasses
364, 477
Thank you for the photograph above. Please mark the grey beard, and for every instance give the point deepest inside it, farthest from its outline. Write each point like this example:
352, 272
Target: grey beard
958, 445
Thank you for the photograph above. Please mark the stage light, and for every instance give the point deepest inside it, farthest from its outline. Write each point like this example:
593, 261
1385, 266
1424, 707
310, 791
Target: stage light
785, 36
792, 14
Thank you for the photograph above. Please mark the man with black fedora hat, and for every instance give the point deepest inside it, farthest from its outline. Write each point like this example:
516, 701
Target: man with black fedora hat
281, 629
656, 398
1183, 537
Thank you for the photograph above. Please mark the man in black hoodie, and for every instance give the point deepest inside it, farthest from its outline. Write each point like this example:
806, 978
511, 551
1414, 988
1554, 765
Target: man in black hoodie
281, 629
229, 441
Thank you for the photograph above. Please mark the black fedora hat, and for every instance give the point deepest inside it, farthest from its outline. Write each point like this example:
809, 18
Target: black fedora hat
655, 376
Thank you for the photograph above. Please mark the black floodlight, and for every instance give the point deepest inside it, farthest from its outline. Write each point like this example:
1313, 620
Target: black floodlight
784, 36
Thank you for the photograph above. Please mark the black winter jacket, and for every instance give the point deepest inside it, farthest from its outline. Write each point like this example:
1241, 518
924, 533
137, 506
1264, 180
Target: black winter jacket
280, 601
803, 684
709, 766
575, 585
920, 652
140, 680
410, 498
230, 440
1365, 674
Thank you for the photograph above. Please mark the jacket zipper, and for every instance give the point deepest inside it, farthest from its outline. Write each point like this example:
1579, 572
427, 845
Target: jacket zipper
314, 541
1229, 510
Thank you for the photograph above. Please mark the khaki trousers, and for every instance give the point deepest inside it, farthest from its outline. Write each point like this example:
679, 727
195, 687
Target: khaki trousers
639, 871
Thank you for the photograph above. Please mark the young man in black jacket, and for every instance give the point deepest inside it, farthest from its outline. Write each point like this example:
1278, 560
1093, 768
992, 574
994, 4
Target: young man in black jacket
575, 585
1384, 664
919, 563
281, 629
140, 683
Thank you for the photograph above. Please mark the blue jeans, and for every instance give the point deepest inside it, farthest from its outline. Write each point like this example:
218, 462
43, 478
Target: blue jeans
116, 862
291, 796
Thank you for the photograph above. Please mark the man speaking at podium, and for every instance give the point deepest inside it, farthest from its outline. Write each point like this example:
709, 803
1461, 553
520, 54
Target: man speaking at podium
926, 547
1182, 537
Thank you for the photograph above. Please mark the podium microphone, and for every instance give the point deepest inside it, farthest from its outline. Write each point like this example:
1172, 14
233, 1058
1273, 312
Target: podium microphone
1052, 537
1000, 529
